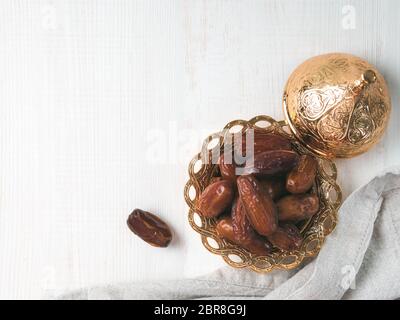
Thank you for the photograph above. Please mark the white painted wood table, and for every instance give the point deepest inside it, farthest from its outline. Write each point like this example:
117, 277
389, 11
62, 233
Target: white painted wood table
103, 103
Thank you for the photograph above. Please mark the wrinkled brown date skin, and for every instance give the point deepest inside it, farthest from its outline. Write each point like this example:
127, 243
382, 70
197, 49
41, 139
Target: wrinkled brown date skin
297, 207
241, 224
260, 209
149, 228
253, 243
275, 187
273, 162
302, 176
215, 198
228, 170
264, 141
286, 237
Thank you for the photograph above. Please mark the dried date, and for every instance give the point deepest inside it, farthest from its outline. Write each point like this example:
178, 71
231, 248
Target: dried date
286, 237
253, 243
215, 198
149, 228
228, 170
259, 207
241, 224
302, 176
265, 141
297, 207
271, 163
275, 187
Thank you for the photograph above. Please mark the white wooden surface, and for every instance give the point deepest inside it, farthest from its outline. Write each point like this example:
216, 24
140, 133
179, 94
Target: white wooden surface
90, 89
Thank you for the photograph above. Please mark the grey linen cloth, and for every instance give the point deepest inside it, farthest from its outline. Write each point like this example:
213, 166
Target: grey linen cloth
360, 260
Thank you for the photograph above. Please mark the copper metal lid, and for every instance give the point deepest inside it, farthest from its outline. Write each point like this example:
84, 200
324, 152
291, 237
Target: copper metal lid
337, 105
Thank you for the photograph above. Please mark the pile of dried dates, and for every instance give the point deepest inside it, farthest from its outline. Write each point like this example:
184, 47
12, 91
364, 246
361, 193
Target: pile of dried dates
259, 209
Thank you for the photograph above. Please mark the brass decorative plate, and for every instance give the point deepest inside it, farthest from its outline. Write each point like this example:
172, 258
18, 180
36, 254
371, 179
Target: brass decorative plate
314, 231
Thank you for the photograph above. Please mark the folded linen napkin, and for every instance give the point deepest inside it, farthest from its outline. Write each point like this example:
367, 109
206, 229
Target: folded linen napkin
360, 260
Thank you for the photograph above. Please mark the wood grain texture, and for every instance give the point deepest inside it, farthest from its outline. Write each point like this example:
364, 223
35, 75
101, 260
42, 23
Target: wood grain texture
90, 88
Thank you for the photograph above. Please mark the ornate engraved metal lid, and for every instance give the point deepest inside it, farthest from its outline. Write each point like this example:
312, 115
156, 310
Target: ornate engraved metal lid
337, 105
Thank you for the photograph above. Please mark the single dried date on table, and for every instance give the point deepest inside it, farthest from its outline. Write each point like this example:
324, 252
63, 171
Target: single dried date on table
253, 243
271, 163
149, 228
215, 198
297, 207
302, 176
260, 209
